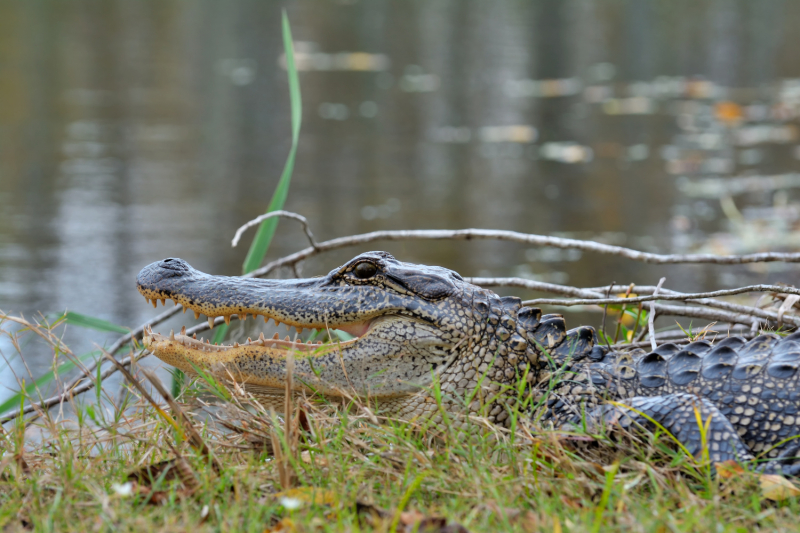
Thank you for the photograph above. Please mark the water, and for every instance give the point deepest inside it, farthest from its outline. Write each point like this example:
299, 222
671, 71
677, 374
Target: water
130, 132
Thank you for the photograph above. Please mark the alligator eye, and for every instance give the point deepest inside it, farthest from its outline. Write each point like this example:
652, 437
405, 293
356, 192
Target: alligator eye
365, 270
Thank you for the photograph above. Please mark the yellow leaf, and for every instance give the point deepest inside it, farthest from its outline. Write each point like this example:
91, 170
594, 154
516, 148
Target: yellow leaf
556, 525
777, 488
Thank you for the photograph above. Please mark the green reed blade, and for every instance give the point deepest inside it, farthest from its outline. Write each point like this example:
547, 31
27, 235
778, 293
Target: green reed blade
86, 321
263, 238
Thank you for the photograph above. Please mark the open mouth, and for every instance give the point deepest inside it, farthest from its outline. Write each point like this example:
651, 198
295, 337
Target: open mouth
304, 339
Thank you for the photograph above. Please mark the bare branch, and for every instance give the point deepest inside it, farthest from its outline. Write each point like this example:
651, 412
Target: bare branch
593, 296
271, 214
556, 242
664, 294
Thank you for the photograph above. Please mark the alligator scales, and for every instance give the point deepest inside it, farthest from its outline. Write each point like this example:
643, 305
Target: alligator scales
413, 324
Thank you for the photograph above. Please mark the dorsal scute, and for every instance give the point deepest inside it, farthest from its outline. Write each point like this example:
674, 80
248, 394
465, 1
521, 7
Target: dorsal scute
683, 367
511, 304
758, 348
577, 344
731, 342
698, 347
652, 369
549, 333
785, 358
719, 362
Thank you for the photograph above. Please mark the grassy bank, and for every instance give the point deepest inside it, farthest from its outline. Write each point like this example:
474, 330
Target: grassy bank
125, 464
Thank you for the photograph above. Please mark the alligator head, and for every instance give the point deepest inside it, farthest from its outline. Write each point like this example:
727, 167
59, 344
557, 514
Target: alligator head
412, 324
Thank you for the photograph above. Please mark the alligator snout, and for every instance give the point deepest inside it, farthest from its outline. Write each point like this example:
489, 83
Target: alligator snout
164, 276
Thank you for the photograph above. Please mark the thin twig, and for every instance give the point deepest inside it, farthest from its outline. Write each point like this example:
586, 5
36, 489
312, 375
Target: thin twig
605, 312
652, 317
667, 295
70, 392
285, 214
593, 296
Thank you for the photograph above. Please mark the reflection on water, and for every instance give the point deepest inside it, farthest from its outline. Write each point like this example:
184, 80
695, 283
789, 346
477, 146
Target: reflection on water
130, 132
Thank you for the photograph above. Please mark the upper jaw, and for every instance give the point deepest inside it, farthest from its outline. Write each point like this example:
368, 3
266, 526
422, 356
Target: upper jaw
303, 303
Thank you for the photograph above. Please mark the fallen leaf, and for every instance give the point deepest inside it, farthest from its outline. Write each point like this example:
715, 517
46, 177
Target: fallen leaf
777, 488
729, 469
285, 525
307, 458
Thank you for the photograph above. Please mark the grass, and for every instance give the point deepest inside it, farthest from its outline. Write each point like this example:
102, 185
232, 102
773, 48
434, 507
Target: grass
123, 463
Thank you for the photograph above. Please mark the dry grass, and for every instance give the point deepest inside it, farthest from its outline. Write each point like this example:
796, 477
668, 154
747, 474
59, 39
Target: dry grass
128, 464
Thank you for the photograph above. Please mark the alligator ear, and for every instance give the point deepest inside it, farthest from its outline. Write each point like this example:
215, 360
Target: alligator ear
428, 285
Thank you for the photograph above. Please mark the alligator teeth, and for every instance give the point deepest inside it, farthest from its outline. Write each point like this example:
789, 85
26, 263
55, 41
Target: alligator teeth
287, 338
196, 315
266, 320
235, 344
163, 301
194, 336
261, 337
249, 340
184, 308
228, 320
206, 341
155, 303
172, 334
276, 337
211, 322
183, 330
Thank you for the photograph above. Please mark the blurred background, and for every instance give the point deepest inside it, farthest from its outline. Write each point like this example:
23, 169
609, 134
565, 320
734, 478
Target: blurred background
134, 131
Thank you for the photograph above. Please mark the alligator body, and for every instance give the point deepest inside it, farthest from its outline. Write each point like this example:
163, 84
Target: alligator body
418, 329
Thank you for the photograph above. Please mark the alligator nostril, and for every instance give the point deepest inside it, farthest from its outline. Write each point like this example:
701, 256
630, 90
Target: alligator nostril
167, 260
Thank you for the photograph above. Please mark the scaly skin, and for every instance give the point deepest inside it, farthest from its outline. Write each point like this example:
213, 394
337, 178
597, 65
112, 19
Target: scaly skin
417, 324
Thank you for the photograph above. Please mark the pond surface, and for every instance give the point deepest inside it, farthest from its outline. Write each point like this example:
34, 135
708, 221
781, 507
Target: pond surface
134, 131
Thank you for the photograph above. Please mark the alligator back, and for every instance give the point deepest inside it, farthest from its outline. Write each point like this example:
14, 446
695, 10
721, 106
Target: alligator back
754, 384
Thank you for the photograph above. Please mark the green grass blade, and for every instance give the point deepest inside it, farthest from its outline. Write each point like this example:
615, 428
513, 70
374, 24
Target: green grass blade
66, 366
86, 321
263, 238
219, 333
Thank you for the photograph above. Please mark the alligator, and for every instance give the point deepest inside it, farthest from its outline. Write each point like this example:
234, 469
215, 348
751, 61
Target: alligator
429, 347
